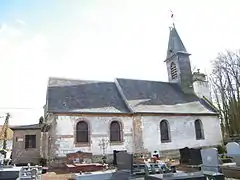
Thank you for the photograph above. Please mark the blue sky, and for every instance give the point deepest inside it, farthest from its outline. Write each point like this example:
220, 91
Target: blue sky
101, 40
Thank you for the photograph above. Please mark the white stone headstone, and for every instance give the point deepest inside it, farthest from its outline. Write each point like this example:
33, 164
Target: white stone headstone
210, 160
233, 148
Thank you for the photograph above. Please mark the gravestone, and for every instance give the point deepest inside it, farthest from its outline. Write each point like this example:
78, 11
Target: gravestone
210, 160
79, 157
115, 156
124, 166
233, 150
124, 161
190, 156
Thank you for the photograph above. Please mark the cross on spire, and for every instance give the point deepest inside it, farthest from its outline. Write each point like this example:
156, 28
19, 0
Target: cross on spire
172, 17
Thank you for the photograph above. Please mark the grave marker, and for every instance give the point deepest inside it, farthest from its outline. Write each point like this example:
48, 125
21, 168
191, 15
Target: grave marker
124, 161
233, 150
210, 160
124, 165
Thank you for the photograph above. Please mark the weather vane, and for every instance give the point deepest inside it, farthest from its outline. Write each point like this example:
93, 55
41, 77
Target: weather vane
172, 17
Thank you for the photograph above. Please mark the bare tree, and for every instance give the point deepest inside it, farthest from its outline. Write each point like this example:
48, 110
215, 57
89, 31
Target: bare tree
225, 81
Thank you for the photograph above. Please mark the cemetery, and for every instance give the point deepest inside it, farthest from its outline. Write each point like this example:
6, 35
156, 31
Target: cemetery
194, 164
197, 164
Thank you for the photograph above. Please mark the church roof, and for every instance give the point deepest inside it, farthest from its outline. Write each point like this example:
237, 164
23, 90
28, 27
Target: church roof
66, 95
121, 96
26, 127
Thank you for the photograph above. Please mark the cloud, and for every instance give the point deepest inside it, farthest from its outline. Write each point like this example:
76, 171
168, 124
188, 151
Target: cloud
3, 27
20, 21
23, 58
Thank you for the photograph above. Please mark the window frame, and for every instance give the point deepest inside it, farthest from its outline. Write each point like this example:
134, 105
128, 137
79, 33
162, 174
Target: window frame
199, 131
173, 70
165, 130
77, 140
27, 140
120, 136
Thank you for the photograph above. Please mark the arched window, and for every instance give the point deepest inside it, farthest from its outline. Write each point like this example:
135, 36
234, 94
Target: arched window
164, 130
173, 68
82, 132
199, 129
115, 131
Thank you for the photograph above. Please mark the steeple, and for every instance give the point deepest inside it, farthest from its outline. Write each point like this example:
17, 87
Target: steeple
175, 44
178, 62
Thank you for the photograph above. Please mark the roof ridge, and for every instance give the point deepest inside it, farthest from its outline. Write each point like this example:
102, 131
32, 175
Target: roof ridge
74, 79
122, 96
92, 80
52, 79
146, 80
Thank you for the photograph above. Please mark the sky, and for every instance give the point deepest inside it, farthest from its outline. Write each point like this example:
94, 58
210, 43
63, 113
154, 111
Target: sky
101, 40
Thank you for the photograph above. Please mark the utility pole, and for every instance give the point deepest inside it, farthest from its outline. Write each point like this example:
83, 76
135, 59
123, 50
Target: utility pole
5, 131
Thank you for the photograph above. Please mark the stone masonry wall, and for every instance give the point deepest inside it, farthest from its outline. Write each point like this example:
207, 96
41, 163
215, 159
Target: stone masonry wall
62, 136
182, 132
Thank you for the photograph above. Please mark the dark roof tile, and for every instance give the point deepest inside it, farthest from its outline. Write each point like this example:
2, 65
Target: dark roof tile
23, 127
159, 97
66, 95
123, 96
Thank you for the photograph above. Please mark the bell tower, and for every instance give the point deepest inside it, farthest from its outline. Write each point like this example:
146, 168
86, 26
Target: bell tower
178, 62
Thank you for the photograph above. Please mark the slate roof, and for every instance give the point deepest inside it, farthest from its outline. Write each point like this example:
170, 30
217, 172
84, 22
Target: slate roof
66, 95
175, 44
25, 127
159, 97
121, 96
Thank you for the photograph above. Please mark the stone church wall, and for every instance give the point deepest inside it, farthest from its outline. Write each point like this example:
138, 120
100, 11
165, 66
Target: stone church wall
182, 132
99, 128
141, 134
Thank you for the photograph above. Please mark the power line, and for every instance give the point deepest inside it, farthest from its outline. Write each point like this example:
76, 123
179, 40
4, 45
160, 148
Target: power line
19, 108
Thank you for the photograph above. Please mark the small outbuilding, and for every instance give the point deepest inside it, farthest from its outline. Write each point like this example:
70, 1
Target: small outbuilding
26, 144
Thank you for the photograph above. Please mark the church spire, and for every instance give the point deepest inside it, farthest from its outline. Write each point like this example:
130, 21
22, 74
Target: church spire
175, 44
178, 62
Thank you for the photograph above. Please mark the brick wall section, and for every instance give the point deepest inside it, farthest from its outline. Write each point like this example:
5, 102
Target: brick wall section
44, 147
137, 131
52, 146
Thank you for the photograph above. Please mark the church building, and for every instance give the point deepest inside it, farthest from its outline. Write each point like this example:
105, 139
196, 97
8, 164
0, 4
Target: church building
138, 116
